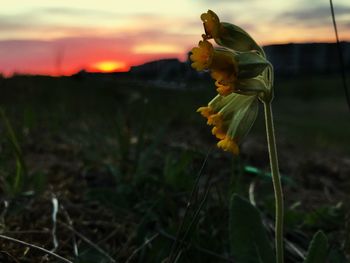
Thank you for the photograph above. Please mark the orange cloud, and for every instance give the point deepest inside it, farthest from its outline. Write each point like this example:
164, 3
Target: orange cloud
157, 49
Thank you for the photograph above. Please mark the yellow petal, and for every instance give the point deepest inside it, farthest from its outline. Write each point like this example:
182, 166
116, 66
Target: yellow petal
218, 132
229, 145
211, 23
202, 55
223, 90
215, 119
205, 111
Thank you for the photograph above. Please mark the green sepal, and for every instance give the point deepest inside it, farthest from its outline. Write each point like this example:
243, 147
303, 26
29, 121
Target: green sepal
236, 38
247, 121
250, 64
317, 252
240, 112
243, 118
251, 85
248, 238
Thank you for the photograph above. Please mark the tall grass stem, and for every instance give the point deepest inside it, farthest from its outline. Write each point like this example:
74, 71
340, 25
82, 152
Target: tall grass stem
194, 190
340, 55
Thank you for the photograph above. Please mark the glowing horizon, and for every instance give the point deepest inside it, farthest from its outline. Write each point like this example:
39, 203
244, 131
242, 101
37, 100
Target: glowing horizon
64, 37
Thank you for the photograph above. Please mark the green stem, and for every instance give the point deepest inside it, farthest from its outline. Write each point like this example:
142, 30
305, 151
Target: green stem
276, 179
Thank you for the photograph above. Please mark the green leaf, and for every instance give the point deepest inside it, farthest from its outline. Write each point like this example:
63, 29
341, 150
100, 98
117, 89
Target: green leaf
248, 238
16, 184
317, 252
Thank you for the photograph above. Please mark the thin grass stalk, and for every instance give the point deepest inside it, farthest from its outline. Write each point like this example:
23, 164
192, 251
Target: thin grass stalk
21, 168
192, 196
340, 55
11, 239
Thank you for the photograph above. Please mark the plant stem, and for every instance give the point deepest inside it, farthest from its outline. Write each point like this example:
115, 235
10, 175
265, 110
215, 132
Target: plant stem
276, 179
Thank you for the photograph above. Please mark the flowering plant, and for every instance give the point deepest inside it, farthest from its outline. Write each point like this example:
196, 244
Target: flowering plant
243, 77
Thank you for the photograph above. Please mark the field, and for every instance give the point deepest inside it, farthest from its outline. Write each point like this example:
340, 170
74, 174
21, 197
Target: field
117, 170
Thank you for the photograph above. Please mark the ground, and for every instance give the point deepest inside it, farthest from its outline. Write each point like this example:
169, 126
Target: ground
121, 159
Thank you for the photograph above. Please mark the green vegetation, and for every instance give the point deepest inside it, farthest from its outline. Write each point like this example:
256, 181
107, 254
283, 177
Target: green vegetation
137, 179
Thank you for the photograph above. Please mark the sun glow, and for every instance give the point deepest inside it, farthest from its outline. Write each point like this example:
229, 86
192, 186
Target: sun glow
109, 66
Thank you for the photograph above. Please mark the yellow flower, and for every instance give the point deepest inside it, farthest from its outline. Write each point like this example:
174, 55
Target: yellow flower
218, 132
205, 111
225, 81
215, 119
228, 144
223, 90
202, 55
221, 62
240, 79
212, 25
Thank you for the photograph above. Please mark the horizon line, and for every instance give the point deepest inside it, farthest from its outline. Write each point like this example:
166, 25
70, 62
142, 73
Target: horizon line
86, 70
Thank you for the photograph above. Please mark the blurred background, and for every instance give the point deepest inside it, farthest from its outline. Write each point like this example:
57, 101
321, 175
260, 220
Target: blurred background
98, 113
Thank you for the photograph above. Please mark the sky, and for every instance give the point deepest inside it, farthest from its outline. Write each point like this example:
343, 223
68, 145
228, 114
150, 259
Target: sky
53, 37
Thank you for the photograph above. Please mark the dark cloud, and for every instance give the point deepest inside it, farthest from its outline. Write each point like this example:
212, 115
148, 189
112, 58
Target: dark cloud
36, 17
10, 25
313, 16
17, 21
75, 12
17, 29
346, 25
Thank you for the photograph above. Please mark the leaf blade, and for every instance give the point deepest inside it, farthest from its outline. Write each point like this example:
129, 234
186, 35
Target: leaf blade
317, 252
248, 238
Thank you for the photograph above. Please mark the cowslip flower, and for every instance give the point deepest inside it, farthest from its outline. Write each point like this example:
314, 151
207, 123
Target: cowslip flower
205, 111
225, 82
212, 25
229, 145
220, 62
202, 55
238, 67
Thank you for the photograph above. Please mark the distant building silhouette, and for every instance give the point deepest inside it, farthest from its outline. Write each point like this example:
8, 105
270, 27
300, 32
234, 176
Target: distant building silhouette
165, 69
287, 59
297, 59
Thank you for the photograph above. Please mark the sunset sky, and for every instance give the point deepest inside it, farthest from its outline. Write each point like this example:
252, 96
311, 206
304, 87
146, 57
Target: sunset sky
61, 37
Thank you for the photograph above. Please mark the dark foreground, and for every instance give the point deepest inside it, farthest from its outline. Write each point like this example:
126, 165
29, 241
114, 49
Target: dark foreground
108, 167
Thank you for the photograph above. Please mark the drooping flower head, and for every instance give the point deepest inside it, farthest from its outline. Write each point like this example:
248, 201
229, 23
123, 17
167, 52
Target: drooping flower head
231, 117
238, 68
